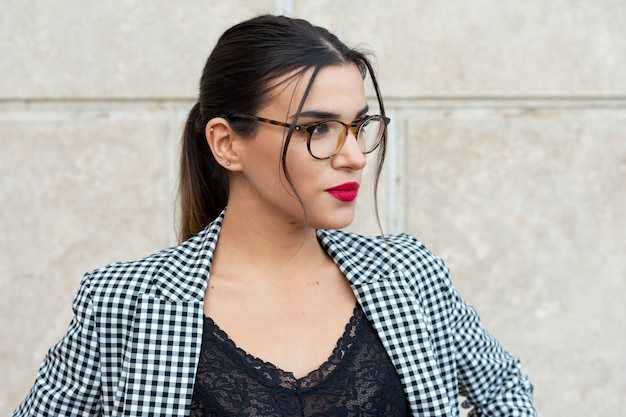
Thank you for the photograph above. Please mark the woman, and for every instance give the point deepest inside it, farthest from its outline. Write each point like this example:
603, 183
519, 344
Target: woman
266, 309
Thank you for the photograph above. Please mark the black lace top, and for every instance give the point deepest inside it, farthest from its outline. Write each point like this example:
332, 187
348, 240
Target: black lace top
357, 380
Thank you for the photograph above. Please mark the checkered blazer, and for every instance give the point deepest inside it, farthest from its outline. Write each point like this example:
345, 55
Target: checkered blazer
132, 347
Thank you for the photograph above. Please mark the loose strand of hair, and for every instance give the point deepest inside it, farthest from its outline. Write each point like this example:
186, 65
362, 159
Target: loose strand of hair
382, 151
283, 158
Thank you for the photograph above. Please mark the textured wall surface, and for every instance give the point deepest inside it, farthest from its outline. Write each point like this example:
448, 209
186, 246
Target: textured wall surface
507, 158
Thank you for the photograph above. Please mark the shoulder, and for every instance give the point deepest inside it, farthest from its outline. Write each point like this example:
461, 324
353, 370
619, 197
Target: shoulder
128, 275
401, 260
397, 246
176, 272
401, 251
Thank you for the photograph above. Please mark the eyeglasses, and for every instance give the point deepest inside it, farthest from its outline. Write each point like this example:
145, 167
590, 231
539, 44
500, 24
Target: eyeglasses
326, 138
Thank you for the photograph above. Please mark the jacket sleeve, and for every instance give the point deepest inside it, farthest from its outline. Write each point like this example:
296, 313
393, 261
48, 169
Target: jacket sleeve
68, 382
489, 377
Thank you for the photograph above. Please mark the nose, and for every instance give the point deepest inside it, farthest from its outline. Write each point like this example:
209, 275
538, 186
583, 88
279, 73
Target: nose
350, 154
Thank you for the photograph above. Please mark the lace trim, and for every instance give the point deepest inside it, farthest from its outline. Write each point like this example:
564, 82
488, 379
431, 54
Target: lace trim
269, 373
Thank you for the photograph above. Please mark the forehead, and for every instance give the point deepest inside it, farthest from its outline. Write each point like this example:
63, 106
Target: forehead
336, 89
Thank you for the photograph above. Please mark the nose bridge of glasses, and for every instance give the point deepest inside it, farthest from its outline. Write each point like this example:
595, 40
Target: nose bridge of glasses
344, 132
351, 128
347, 129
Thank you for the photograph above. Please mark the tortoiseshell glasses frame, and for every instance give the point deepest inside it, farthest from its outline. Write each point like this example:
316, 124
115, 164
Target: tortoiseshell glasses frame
368, 142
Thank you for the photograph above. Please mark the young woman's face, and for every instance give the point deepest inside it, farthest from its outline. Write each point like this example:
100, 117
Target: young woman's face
328, 187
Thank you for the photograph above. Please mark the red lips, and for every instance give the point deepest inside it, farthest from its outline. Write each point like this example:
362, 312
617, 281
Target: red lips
344, 192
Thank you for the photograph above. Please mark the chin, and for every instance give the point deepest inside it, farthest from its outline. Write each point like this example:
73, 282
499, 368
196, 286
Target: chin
337, 222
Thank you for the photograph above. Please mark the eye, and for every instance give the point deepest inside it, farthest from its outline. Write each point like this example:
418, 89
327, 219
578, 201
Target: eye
361, 125
318, 129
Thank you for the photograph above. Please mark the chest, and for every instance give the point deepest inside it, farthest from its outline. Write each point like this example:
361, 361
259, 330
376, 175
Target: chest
294, 328
356, 379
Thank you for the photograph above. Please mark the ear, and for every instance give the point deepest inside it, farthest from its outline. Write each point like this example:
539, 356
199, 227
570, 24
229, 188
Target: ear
220, 137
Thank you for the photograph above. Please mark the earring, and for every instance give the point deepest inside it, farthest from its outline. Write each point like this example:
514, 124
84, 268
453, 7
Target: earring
219, 159
227, 163
211, 130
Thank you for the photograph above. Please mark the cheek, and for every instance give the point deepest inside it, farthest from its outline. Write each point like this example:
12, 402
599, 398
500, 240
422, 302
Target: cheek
263, 168
303, 168
261, 157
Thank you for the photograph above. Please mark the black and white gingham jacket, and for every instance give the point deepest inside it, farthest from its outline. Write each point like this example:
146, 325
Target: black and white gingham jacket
133, 345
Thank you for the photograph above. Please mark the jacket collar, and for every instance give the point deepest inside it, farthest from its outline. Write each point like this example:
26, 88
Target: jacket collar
184, 273
190, 262
362, 260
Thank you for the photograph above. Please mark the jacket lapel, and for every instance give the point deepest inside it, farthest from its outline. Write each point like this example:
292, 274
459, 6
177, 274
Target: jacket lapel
164, 347
396, 313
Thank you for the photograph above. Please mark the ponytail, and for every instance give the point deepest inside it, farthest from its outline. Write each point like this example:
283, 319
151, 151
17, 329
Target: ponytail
203, 187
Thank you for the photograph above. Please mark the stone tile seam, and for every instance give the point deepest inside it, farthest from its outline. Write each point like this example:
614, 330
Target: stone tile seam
507, 102
413, 102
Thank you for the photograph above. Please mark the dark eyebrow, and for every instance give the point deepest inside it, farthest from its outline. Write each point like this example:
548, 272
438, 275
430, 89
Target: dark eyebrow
316, 114
324, 115
363, 111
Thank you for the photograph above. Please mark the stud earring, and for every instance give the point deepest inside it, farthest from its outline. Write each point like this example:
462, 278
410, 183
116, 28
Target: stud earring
211, 130
227, 163
219, 159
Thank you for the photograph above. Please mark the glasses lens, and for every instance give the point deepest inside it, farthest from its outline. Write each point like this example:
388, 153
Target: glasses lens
325, 138
370, 133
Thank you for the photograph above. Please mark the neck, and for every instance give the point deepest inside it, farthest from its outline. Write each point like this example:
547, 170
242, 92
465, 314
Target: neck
268, 245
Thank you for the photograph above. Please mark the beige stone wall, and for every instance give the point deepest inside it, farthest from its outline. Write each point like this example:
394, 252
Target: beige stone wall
507, 158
